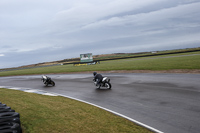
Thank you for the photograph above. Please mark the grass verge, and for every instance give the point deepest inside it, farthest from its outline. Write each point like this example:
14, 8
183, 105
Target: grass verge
44, 114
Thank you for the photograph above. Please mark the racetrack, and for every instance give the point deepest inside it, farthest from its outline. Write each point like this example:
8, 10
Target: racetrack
167, 102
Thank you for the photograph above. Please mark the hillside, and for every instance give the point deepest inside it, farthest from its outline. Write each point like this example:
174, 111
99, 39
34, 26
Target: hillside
109, 57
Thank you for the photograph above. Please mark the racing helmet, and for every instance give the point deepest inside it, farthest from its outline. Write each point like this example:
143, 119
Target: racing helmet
94, 73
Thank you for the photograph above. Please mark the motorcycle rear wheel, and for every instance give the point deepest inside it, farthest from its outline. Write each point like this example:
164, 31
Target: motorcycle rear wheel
52, 83
98, 86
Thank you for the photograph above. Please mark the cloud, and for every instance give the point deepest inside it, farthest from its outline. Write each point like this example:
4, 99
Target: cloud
51, 30
89, 12
2, 55
158, 16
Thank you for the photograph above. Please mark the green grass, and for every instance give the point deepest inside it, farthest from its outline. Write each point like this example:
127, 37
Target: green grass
186, 62
46, 114
146, 63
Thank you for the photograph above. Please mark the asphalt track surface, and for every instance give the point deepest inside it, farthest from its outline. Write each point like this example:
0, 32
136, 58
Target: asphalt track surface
167, 102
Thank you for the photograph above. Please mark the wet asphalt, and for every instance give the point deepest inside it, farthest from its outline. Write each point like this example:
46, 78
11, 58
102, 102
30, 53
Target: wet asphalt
167, 102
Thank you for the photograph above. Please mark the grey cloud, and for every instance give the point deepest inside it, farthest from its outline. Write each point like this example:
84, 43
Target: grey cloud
51, 30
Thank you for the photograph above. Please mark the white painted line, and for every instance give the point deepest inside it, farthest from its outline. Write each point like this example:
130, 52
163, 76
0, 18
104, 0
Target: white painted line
49, 94
2, 87
31, 91
14, 88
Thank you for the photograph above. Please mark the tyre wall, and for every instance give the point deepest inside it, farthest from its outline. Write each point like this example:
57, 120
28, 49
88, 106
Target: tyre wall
9, 120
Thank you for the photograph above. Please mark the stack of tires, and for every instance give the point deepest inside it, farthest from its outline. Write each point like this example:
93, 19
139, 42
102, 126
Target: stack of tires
9, 120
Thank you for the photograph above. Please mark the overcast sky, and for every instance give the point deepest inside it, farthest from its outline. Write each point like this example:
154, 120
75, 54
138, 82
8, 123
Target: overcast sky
35, 31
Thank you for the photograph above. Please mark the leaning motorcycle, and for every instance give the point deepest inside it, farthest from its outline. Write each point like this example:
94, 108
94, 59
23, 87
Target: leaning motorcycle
104, 83
47, 81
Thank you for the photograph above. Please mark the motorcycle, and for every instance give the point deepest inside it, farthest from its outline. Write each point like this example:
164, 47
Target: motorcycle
104, 83
47, 81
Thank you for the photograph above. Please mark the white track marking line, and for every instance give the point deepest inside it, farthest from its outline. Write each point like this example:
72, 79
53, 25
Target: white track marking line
49, 94
14, 88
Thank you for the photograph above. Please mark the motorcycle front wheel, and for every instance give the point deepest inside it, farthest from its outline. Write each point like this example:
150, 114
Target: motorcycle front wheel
108, 85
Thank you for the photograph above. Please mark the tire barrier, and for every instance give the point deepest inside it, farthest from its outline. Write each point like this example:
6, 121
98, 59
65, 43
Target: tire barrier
12, 127
9, 120
2, 105
6, 109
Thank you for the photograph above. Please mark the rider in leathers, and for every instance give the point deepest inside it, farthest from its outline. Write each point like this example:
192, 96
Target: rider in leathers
97, 77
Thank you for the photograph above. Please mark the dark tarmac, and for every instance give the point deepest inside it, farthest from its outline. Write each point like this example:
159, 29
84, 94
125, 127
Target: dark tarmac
167, 102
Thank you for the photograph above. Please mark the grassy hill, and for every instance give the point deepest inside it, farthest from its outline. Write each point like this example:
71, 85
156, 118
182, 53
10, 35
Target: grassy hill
105, 57
180, 62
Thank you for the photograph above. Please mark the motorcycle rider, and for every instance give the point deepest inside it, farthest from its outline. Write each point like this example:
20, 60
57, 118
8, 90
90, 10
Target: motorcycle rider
97, 78
45, 79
